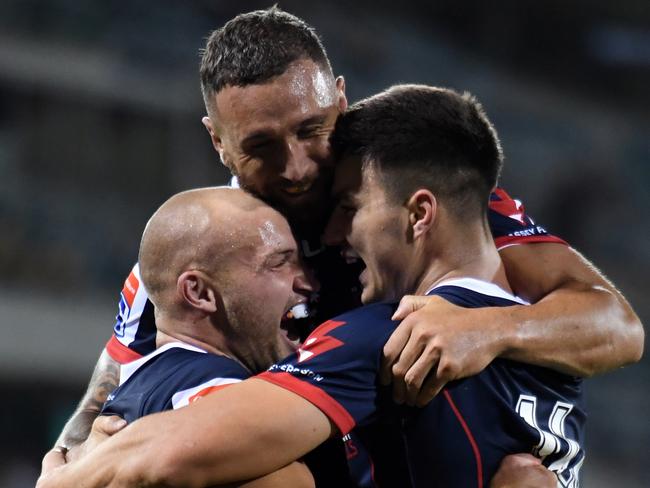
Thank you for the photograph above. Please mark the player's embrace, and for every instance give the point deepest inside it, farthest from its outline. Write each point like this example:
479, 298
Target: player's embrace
418, 165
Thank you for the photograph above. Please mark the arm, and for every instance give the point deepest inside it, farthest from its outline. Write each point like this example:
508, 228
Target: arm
581, 325
241, 432
104, 380
523, 471
296, 475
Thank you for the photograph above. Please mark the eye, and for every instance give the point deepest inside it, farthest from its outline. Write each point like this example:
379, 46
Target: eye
259, 145
280, 259
310, 131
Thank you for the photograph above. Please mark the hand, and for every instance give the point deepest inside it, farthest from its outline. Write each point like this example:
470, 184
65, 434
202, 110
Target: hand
437, 342
103, 427
54, 458
523, 471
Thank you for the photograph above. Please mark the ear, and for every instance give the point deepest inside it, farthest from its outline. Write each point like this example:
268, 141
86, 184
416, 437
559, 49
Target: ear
216, 140
340, 88
422, 208
196, 291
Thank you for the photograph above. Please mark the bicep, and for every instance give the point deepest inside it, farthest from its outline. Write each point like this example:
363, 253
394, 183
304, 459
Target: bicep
537, 269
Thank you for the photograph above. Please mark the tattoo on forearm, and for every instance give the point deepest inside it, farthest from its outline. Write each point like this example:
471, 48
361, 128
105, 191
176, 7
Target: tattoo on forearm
104, 380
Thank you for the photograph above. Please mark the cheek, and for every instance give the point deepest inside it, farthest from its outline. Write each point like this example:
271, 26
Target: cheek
320, 151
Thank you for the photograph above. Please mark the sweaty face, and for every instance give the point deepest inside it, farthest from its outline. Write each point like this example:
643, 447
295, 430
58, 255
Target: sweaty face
370, 226
266, 280
274, 136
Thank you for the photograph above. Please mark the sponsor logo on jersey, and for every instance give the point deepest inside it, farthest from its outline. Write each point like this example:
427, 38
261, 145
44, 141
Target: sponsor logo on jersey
289, 368
131, 286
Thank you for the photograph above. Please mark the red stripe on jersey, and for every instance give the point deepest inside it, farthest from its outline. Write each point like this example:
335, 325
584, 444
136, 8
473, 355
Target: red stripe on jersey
131, 286
328, 405
204, 392
119, 352
470, 437
326, 327
504, 241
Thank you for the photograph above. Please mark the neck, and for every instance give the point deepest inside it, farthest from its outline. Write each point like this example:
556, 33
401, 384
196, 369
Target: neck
461, 251
221, 340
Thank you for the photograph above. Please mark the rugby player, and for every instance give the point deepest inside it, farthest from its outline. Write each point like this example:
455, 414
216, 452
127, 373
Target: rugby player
207, 287
272, 101
419, 164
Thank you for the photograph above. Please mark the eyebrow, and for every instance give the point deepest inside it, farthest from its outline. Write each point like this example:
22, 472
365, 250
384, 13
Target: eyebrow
255, 136
316, 119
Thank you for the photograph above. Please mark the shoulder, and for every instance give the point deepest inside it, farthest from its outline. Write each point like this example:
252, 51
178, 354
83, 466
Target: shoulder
472, 293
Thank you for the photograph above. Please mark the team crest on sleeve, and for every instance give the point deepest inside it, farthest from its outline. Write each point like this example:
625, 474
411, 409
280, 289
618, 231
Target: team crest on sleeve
127, 297
319, 342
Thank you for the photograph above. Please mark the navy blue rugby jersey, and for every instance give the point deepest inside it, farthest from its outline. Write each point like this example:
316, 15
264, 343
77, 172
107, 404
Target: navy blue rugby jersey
172, 377
134, 333
459, 439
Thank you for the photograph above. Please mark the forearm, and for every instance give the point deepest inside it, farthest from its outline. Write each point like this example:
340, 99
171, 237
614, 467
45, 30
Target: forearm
104, 380
241, 432
578, 329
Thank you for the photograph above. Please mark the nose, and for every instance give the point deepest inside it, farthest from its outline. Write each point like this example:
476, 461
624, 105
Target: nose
305, 282
299, 166
336, 229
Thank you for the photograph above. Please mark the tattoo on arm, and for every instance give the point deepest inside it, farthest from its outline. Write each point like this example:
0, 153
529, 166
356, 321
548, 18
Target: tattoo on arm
104, 380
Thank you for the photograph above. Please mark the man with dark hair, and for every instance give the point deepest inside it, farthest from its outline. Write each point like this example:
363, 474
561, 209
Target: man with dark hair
272, 104
413, 240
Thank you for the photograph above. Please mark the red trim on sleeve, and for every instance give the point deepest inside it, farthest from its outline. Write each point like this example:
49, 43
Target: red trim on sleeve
505, 241
119, 352
470, 437
328, 405
206, 391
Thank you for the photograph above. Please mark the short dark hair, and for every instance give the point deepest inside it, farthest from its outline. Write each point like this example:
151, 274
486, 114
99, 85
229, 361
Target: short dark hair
255, 47
419, 136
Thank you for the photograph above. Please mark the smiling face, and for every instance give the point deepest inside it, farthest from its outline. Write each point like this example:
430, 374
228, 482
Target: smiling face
370, 225
275, 136
262, 280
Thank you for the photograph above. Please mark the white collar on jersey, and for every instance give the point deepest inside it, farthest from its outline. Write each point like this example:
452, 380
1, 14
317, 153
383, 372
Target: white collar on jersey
234, 182
479, 286
127, 370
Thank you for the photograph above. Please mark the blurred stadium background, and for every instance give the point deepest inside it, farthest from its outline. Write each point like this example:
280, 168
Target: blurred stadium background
100, 122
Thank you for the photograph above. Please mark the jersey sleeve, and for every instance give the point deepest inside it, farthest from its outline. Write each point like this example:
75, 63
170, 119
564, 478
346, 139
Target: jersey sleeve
134, 333
511, 226
337, 367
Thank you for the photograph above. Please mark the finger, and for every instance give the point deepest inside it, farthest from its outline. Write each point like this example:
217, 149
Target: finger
431, 387
108, 425
53, 459
425, 365
411, 352
409, 304
392, 351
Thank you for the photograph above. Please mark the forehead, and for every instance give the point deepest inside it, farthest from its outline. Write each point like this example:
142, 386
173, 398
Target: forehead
303, 91
347, 178
355, 179
272, 231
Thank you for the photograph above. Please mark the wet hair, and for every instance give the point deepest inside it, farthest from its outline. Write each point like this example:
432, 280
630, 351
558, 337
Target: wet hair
419, 136
255, 47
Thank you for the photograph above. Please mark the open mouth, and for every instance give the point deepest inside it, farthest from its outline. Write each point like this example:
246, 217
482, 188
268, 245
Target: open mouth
353, 259
293, 323
297, 190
